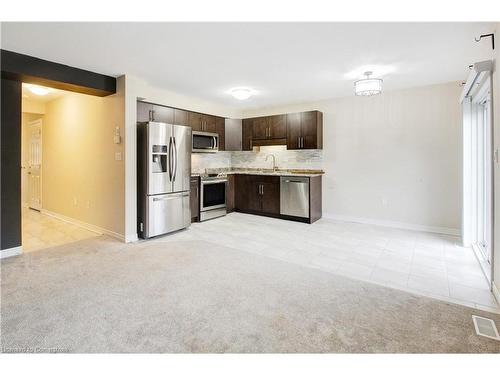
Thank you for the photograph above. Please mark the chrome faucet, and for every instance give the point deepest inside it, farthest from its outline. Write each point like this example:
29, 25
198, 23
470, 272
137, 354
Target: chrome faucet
274, 161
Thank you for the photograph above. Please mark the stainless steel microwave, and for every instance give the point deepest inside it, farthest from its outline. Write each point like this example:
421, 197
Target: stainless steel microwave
205, 142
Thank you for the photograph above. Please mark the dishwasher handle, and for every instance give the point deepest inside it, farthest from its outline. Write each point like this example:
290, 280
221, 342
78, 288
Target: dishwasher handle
296, 181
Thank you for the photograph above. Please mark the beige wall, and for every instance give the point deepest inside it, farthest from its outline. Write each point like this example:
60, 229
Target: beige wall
81, 178
394, 158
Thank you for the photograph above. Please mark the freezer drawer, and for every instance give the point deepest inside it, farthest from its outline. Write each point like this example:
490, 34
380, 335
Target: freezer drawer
294, 196
167, 213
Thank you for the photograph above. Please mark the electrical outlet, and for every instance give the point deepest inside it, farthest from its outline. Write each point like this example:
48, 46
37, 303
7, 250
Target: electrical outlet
118, 156
88, 203
75, 202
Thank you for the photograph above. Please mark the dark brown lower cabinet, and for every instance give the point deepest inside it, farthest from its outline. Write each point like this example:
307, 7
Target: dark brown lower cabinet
260, 195
257, 194
230, 193
195, 199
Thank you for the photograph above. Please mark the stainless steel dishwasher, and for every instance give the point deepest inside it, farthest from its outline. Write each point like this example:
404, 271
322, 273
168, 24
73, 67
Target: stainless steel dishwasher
294, 196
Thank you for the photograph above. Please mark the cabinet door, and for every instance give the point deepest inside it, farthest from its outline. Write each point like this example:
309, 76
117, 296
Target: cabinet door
230, 193
181, 117
260, 128
309, 130
247, 134
220, 128
209, 124
163, 114
270, 195
195, 121
246, 193
144, 112
195, 199
277, 127
293, 131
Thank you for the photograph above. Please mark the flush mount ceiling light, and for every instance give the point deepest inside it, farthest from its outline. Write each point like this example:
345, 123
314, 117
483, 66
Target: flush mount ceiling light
242, 93
368, 86
38, 90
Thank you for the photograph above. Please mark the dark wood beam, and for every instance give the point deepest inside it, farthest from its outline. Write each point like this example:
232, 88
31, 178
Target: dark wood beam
29, 69
10, 162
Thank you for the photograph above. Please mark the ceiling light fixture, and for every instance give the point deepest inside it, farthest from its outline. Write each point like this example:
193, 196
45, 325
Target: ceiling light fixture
242, 93
39, 90
368, 86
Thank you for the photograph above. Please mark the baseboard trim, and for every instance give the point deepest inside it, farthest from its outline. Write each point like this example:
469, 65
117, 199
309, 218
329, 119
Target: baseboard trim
495, 291
132, 238
84, 225
394, 224
11, 252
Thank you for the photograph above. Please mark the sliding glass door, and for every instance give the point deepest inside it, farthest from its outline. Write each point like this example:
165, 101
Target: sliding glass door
481, 175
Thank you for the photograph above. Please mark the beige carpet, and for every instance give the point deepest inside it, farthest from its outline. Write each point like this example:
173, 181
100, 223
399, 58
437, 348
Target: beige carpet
101, 296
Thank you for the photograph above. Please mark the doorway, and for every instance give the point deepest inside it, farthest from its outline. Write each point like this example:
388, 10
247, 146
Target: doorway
34, 164
44, 224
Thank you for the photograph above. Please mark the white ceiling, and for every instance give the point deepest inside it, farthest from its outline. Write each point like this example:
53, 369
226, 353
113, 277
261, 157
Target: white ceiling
285, 62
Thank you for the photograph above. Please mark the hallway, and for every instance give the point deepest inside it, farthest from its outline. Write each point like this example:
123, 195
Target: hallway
41, 231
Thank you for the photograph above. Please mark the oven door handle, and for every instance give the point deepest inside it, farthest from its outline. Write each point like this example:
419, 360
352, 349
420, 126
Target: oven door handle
213, 182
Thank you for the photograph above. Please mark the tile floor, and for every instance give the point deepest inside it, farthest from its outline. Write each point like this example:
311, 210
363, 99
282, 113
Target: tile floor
423, 263
41, 231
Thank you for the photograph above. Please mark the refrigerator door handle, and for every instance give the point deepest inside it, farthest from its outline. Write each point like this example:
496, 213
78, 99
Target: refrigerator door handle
170, 197
170, 159
175, 152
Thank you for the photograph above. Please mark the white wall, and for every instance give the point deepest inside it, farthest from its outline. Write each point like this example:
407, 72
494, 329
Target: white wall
393, 158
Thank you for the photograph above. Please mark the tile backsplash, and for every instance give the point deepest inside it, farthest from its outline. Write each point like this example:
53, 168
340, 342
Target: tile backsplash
285, 159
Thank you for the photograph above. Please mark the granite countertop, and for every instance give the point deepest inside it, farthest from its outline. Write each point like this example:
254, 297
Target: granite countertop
267, 172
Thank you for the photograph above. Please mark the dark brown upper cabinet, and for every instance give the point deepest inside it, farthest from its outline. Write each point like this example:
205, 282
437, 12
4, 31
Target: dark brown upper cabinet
195, 121
144, 111
163, 114
271, 129
260, 128
277, 127
247, 134
304, 130
181, 117
220, 129
202, 123
209, 124
152, 112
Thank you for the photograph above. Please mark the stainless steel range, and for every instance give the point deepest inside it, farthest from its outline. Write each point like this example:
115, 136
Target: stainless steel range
212, 196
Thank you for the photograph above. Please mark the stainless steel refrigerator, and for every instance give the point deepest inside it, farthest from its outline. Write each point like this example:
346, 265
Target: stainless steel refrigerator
163, 178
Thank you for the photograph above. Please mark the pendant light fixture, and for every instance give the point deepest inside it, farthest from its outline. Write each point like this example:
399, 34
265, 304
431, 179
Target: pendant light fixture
368, 86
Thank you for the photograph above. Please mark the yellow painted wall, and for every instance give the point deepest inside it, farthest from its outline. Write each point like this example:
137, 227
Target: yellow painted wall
81, 178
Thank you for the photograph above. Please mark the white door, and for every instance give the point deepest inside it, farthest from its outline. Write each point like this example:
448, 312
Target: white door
35, 164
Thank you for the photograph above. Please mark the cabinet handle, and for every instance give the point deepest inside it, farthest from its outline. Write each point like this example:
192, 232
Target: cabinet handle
152, 115
298, 142
262, 189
